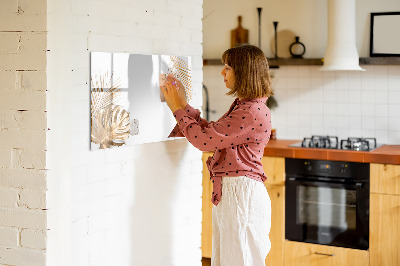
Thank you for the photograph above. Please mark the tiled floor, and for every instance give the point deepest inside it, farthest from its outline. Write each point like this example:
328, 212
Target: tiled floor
206, 261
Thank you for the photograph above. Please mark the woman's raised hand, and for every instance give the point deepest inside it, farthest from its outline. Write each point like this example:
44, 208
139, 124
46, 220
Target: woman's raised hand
181, 91
174, 93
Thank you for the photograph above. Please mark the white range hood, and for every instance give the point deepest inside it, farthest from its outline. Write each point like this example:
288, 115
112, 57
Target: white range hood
341, 51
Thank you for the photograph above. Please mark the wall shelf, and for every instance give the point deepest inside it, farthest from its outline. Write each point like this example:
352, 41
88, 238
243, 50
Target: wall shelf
380, 61
274, 63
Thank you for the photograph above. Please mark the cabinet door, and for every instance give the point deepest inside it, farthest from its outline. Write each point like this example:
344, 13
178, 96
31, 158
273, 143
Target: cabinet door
206, 232
384, 230
385, 178
274, 168
304, 254
277, 233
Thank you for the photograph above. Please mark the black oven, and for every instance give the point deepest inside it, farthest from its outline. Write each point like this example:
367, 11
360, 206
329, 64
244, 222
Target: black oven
327, 202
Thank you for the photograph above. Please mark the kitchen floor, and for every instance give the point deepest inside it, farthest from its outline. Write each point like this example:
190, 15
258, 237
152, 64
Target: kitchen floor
206, 261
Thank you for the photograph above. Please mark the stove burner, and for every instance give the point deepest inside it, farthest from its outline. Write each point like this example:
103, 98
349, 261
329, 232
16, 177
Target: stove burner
332, 142
358, 144
328, 142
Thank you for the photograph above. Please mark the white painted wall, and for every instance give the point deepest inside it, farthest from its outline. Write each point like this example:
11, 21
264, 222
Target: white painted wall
305, 18
311, 102
138, 205
23, 133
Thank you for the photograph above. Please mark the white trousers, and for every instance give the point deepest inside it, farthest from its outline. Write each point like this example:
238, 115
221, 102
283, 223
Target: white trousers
241, 223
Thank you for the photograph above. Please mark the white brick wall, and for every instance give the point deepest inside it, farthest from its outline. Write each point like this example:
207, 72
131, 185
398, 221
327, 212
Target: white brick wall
23, 126
98, 204
138, 205
33, 239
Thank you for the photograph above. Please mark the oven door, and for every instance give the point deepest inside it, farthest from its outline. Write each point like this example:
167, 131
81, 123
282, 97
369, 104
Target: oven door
327, 213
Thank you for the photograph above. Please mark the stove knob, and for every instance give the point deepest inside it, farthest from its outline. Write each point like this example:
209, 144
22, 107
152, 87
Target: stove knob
308, 166
343, 168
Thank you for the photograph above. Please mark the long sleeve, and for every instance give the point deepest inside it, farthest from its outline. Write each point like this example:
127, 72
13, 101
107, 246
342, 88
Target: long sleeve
232, 130
193, 113
238, 140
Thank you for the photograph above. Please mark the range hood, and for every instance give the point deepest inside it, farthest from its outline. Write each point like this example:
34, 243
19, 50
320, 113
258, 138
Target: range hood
341, 51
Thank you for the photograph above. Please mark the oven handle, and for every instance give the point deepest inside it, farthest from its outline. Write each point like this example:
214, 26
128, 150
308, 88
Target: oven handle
357, 185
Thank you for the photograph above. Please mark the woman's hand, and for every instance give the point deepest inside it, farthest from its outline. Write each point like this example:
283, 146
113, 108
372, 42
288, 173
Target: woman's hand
174, 93
181, 91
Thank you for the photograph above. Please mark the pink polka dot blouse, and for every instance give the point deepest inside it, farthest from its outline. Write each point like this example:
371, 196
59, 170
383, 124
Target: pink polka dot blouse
238, 139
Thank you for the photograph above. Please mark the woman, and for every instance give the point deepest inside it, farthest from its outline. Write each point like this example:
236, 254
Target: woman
242, 208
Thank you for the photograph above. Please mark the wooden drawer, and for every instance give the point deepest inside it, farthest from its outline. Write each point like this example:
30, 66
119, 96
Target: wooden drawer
304, 254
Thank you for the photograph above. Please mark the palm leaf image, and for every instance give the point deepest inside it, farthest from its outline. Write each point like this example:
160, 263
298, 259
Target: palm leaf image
104, 91
110, 126
181, 70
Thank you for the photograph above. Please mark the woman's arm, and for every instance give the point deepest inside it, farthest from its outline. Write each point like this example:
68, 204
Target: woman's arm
178, 100
239, 127
193, 113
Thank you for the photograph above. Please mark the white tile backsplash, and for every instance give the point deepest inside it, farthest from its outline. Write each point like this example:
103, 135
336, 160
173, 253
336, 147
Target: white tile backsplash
394, 136
381, 97
381, 110
367, 96
394, 110
345, 103
368, 123
381, 83
394, 97
367, 109
394, 123
394, 82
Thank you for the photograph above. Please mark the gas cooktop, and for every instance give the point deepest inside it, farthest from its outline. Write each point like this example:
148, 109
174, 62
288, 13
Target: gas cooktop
332, 142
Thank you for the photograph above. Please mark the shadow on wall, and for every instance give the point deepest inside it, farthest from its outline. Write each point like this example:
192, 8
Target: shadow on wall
155, 200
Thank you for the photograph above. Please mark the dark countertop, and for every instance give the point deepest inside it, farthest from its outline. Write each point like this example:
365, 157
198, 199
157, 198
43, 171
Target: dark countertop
389, 154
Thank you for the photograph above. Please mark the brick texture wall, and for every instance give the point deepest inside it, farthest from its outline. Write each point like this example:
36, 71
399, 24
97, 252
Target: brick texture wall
138, 205
60, 203
23, 125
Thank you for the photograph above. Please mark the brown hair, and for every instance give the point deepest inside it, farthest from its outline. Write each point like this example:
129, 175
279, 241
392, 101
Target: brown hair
250, 66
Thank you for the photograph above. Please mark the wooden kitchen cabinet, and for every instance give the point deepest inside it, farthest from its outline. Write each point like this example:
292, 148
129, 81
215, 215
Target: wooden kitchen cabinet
274, 168
277, 233
206, 225
384, 215
384, 236
385, 178
305, 254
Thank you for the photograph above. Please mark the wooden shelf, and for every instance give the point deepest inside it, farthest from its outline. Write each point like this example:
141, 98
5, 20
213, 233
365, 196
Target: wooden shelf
295, 62
380, 61
274, 63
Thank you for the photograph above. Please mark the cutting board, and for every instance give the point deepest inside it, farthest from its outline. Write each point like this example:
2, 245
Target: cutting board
239, 35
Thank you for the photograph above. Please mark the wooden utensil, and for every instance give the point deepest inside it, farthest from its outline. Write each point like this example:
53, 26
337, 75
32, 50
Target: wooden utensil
239, 35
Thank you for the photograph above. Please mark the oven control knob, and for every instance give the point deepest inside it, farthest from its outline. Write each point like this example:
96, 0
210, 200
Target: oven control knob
308, 166
343, 168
